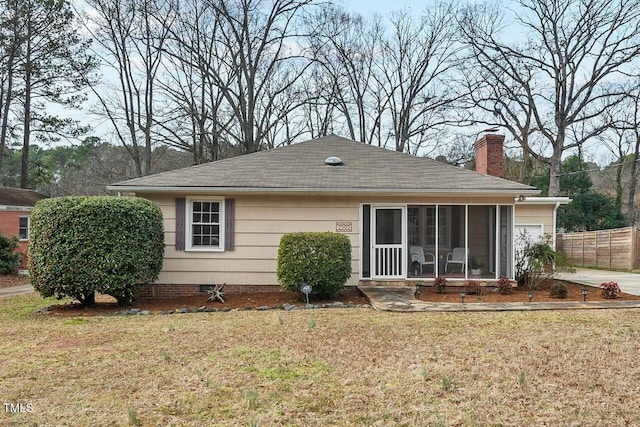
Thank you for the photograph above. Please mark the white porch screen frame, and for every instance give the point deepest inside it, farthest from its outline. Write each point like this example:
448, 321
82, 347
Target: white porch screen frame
388, 260
403, 247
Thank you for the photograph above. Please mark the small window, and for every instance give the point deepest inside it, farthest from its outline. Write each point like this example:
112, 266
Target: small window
23, 230
205, 226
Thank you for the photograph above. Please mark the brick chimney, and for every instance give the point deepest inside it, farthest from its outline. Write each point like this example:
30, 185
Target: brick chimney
489, 157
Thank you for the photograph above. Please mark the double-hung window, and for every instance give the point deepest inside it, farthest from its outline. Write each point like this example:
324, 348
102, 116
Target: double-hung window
23, 228
205, 226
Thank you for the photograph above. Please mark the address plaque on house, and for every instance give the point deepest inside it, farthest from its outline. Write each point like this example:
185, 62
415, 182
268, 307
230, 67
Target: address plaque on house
344, 227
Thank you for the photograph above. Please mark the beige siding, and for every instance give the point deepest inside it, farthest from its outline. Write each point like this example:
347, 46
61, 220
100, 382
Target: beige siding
536, 214
260, 222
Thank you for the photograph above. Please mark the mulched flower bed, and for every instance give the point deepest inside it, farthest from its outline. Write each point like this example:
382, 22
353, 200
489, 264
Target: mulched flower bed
106, 305
490, 294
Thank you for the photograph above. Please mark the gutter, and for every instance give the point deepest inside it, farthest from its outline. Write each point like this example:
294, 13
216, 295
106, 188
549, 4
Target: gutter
544, 200
16, 208
305, 191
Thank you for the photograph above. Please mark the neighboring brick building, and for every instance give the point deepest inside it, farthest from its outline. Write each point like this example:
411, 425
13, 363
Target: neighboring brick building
15, 208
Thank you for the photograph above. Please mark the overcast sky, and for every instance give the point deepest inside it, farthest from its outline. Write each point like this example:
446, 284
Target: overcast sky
365, 7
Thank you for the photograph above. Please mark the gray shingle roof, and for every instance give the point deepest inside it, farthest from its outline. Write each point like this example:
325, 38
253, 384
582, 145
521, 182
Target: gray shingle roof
302, 167
19, 197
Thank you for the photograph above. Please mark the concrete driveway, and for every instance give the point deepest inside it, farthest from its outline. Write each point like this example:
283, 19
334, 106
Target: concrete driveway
629, 282
16, 290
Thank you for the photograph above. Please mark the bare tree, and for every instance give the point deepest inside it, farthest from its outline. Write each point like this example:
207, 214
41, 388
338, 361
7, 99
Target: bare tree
130, 35
291, 123
418, 58
562, 75
496, 105
615, 141
319, 112
198, 116
634, 130
259, 59
345, 48
623, 140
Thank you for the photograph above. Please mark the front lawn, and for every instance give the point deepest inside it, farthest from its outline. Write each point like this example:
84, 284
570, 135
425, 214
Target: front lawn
320, 367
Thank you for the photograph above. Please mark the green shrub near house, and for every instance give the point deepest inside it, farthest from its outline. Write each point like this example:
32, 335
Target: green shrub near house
558, 290
9, 259
82, 245
322, 260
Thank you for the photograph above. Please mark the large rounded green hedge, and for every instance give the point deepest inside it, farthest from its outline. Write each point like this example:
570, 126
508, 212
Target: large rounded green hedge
322, 260
82, 245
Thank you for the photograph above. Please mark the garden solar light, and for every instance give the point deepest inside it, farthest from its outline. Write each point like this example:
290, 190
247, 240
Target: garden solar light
306, 288
530, 295
462, 295
585, 291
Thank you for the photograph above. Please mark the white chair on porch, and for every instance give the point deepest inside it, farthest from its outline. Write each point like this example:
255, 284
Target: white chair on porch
457, 257
421, 257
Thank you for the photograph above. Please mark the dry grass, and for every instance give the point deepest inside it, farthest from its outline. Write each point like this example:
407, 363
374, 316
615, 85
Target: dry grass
324, 367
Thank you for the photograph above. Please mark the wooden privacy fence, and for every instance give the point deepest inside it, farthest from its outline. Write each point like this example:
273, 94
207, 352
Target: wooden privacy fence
616, 248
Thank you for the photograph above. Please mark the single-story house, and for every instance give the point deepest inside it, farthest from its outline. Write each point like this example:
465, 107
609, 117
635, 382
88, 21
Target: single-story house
15, 209
408, 218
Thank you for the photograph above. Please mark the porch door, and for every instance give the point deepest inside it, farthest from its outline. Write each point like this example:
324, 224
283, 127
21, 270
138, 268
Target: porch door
388, 242
505, 241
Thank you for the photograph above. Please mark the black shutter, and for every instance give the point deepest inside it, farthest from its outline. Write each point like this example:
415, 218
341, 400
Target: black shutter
366, 241
180, 226
229, 224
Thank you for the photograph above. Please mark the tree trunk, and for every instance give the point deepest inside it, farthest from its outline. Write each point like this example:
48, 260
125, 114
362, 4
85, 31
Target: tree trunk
24, 163
6, 107
554, 177
554, 166
148, 143
619, 184
633, 182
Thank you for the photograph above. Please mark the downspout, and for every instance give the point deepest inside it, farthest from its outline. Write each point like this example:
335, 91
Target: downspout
555, 212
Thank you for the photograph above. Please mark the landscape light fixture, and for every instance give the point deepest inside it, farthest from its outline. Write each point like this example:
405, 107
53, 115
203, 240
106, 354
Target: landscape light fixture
462, 295
418, 291
585, 291
306, 289
530, 295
